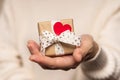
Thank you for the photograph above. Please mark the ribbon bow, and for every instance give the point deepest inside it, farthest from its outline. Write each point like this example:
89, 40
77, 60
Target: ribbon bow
67, 37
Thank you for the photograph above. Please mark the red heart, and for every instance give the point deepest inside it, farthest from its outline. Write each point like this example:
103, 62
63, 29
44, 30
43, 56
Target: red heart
59, 28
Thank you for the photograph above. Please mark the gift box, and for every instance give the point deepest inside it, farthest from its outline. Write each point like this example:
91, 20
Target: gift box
57, 37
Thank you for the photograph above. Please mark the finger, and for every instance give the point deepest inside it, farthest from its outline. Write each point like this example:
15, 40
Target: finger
77, 54
44, 60
86, 43
33, 48
33, 42
81, 51
54, 63
33, 58
65, 61
73, 66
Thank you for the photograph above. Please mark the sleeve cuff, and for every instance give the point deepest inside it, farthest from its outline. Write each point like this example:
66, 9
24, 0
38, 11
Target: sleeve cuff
101, 66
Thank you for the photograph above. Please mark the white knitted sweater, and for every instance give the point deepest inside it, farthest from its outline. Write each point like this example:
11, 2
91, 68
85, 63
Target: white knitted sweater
18, 24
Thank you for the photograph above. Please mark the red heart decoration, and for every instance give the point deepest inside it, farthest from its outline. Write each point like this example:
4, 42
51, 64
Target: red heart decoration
59, 28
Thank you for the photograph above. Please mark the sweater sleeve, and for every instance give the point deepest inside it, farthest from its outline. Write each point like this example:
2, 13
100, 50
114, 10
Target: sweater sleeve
11, 67
106, 64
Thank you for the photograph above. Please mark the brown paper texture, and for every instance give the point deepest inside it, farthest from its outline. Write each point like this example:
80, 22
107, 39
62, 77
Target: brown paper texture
46, 25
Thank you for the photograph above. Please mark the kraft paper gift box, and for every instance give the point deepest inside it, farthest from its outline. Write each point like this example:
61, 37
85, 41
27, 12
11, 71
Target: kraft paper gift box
56, 28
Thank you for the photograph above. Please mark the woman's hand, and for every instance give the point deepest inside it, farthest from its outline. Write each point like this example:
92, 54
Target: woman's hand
86, 51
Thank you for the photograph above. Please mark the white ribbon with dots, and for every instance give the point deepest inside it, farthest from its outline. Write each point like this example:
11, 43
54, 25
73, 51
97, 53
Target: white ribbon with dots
47, 39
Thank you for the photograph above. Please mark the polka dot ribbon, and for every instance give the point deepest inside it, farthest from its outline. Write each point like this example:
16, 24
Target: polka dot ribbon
47, 39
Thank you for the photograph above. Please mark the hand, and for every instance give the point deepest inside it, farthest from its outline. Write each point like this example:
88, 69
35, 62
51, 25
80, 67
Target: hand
86, 51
